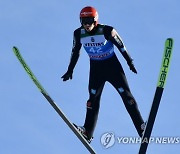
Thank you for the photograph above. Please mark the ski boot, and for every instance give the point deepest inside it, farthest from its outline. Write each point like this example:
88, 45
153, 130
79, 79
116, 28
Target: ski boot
83, 132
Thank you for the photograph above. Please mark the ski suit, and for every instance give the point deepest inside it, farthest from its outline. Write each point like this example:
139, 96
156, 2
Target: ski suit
104, 66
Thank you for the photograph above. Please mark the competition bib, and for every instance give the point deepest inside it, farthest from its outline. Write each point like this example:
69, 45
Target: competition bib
96, 46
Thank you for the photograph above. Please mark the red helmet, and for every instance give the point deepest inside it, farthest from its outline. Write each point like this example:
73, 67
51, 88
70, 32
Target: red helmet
89, 11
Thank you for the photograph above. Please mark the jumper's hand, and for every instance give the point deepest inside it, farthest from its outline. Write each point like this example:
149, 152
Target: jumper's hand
67, 76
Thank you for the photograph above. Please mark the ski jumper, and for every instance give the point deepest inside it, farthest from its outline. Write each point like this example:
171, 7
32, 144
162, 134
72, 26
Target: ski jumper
104, 66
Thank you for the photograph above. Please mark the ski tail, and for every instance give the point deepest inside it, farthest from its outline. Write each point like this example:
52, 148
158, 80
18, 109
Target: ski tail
158, 94
50, 100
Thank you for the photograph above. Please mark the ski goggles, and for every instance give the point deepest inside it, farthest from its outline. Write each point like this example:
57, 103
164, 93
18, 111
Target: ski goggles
88, 20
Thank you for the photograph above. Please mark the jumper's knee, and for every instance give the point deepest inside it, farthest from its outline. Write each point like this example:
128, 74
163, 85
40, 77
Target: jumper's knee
131, 102
93, 103
89, 104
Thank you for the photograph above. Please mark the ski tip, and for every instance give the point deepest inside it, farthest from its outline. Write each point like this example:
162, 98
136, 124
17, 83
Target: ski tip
170, 40
15, 48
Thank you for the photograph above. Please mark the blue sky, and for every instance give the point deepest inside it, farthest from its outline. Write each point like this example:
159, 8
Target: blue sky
43, 30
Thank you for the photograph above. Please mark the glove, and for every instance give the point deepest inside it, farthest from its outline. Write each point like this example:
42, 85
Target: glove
67, 76
132, 68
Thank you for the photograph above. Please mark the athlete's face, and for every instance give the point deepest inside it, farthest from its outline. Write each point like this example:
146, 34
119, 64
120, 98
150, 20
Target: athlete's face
88, 27
88, 23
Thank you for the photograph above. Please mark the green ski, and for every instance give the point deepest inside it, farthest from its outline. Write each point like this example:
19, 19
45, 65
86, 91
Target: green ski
50, 100
158, 94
